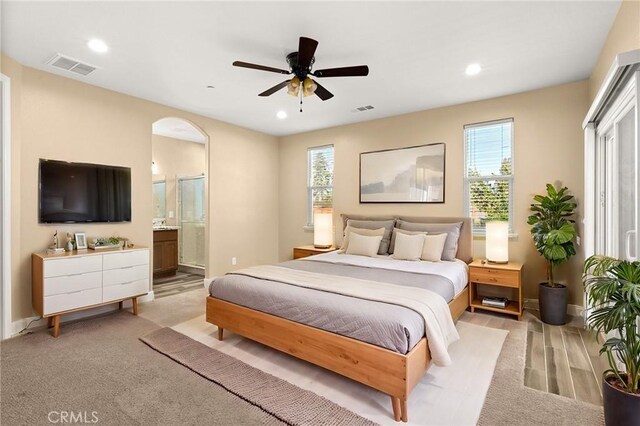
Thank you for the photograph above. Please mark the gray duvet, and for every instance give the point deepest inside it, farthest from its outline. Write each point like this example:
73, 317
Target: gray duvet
390, 326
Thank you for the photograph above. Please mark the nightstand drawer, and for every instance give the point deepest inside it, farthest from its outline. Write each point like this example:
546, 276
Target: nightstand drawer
300, 253
488, 275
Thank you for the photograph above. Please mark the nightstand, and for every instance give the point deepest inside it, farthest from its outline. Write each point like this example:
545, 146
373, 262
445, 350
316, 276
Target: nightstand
306, 251
507, 275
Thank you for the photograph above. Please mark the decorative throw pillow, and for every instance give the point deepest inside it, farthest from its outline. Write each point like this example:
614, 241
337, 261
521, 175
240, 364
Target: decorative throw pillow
409, 247
452, 230
433, 247
397, 231
367, 232
363, 245
376, 224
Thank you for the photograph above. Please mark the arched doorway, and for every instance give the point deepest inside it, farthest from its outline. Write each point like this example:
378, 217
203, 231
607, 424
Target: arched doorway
180, 206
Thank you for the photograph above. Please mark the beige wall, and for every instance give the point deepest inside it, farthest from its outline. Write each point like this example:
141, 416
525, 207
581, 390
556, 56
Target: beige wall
623, 36
60, 118
547, 148
176, 158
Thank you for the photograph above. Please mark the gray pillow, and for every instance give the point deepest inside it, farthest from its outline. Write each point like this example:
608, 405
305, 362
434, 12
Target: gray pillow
375, 224
392, 246
452, 230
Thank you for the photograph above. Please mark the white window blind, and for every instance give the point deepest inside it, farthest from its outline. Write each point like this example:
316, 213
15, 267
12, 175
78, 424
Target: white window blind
319, 179
489, 173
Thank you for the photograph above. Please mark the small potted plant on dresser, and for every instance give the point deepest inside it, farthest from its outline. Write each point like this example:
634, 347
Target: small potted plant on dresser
553, 232
613, 291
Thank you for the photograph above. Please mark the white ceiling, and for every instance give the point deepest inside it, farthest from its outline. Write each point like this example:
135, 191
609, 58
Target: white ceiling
178, 129
168, 52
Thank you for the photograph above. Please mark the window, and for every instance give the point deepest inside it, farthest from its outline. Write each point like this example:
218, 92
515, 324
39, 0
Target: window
488, 182
319, 179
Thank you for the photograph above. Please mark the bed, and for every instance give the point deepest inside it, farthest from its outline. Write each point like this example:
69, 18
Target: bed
343, 329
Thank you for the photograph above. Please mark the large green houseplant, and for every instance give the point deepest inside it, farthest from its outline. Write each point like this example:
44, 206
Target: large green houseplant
613, 290
553, 232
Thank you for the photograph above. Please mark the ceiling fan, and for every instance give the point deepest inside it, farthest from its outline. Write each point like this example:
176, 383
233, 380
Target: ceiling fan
300, 64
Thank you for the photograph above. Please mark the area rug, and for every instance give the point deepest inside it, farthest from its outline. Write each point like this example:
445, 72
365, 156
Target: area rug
281, 399
445, 395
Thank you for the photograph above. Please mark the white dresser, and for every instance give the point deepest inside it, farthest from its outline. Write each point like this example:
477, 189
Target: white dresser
63, 283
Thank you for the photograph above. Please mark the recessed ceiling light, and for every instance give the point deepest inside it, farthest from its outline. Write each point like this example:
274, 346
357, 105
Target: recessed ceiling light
97, 45
281, 115
473, 69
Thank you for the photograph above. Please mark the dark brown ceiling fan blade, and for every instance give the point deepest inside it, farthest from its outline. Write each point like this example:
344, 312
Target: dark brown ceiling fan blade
274, 89
322, 93
355, 71
259, 67
306, 50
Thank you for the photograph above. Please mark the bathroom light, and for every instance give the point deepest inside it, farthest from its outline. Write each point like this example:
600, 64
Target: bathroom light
97, 45
281, 115
473, 69
497, 242
323, 228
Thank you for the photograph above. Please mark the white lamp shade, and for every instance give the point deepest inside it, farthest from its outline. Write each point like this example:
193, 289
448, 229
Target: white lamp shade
497, 242
323, 228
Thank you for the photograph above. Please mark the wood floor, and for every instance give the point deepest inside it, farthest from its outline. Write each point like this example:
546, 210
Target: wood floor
563, 360
179, 283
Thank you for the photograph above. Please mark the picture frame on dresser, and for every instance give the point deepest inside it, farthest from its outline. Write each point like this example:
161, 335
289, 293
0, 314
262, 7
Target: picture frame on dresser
81, 241
414, 174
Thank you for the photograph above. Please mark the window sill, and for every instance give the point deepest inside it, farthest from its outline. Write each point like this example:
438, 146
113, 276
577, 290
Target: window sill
512, 237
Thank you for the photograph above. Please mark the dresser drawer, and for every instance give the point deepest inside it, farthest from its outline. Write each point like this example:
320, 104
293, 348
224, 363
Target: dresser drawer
72, 283
125, 259
493, 276
125, 275
72, 265
123, 291
73, 300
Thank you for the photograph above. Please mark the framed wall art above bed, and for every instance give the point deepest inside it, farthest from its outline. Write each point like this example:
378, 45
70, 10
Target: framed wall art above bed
405, 175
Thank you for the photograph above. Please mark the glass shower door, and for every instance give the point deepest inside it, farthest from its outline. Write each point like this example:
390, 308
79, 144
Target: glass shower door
191, 202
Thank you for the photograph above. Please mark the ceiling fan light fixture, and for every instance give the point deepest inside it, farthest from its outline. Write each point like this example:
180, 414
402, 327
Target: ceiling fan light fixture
308, 87
293, 88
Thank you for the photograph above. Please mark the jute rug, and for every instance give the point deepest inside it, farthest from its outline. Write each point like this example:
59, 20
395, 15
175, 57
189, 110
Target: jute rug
278, 397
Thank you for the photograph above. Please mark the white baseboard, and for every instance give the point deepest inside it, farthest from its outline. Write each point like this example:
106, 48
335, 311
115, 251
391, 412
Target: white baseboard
575, 310
19, 325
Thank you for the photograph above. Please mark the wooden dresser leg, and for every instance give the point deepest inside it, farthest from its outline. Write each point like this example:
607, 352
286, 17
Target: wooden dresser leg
220, 333
120, 305
49, 322
134, 303
56, 326
403, 405
395, 402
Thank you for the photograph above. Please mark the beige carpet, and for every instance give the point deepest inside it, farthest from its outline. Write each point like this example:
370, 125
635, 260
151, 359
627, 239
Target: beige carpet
99, 365
275, 396
509, 402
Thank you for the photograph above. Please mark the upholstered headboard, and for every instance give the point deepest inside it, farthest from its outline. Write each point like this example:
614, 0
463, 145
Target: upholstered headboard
465, 242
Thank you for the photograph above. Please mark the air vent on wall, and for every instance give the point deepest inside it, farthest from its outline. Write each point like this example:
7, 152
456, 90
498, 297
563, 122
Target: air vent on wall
362, 108
69, 64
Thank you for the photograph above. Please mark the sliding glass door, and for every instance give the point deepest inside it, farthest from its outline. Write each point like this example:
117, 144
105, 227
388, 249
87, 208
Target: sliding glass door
617, 180
191, 202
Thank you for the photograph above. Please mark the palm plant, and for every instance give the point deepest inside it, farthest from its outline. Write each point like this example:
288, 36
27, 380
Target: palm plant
613, 288
552, 228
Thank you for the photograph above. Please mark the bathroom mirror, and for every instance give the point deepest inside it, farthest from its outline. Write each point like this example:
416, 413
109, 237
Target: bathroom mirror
159, 198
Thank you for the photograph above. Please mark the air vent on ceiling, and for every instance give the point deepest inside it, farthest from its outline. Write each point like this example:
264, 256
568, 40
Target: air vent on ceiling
362, 108
69, 64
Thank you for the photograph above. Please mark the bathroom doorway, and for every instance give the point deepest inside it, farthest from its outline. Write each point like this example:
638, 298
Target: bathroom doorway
179, 189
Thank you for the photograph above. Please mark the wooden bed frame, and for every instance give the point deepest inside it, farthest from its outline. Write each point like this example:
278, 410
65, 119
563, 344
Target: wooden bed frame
387, 371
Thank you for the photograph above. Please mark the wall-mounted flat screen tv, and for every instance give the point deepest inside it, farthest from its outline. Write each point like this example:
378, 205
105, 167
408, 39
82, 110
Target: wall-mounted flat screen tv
80, 193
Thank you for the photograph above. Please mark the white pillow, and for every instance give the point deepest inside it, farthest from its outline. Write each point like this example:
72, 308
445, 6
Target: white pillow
408, 247
433, 247
361, 231
363, 245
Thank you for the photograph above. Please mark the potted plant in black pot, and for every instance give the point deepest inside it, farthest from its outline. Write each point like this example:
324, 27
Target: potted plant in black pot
553, 232
613, 290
